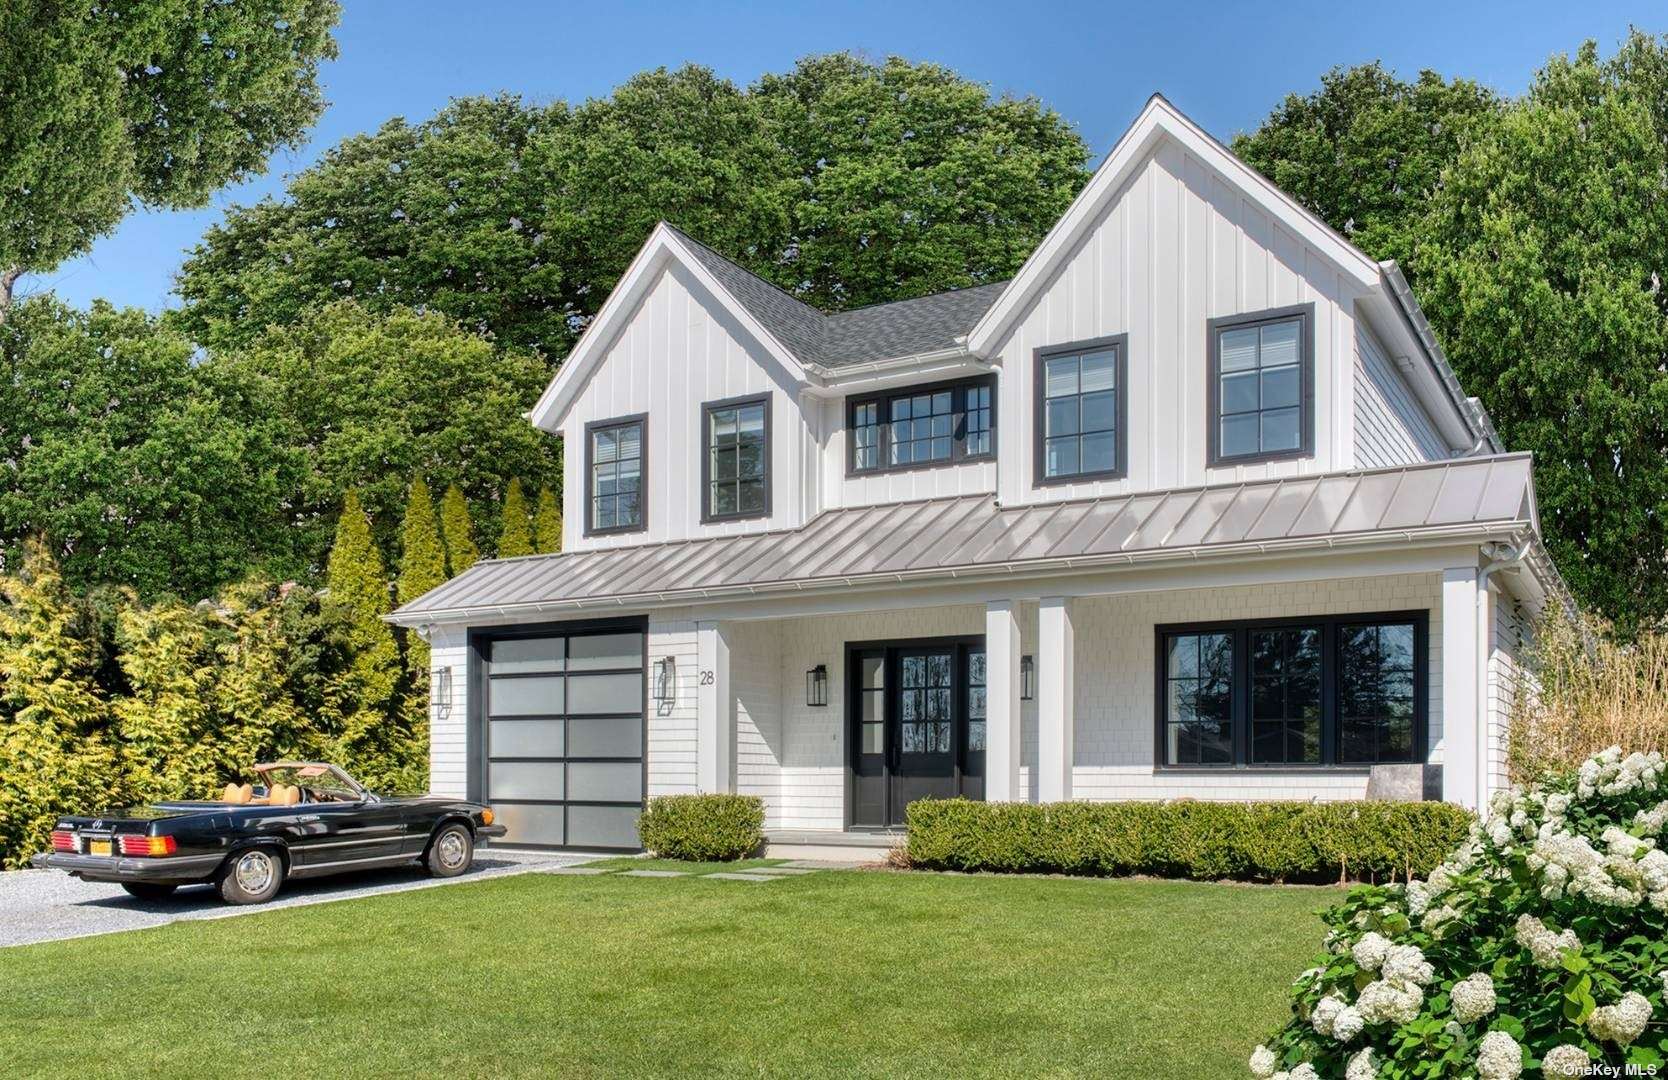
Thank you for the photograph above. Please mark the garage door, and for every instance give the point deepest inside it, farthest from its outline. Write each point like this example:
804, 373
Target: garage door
562, 738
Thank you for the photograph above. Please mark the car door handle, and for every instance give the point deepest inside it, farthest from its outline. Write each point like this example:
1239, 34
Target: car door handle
307, 817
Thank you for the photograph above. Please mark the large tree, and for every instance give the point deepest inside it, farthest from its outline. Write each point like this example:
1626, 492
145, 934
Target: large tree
844, 181
155, 102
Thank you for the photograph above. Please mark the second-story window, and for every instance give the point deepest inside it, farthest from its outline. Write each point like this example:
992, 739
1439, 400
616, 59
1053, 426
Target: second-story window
1082, 414
922, 426
1261, 375
736, 468
614, 479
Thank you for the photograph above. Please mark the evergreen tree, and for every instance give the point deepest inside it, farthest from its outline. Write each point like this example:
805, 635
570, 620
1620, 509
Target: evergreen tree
167, 722
458, 532
547, 523
365, 690
517, 535
422, 567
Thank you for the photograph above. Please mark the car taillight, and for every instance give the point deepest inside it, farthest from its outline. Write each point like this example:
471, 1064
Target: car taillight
148, 845
63, 840
486, 816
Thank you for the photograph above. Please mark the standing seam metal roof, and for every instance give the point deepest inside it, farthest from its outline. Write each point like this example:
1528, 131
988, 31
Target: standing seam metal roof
970, 532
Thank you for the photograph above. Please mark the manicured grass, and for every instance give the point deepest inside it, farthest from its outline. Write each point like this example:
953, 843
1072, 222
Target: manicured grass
630, 862
836, 973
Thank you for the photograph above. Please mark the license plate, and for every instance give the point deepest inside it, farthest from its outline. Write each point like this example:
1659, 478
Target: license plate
98, 847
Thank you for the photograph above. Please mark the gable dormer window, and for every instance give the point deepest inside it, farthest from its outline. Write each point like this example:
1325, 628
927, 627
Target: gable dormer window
920, 427
1082, 416
616, 488
735, 468
1262, 386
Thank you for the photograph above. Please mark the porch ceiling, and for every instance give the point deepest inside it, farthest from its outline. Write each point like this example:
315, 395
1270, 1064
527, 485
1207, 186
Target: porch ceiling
971, 535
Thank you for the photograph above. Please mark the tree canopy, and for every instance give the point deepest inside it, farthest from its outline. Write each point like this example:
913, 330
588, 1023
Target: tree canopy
158, 103
844, 181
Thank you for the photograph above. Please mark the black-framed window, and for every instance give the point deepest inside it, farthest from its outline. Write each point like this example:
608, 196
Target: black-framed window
735, 467
1311, 691
922, 426
1082, 411
616, 481
1261, 386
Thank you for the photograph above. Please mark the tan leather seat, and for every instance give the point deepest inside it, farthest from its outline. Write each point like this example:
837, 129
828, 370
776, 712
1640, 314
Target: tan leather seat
230, 794
245, 792
292, 795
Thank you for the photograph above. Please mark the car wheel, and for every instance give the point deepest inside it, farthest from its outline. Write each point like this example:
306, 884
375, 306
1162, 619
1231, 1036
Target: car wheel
251, 876
452, 852
148, 890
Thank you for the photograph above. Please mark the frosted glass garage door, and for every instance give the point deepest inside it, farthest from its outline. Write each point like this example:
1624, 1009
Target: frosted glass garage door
562, 737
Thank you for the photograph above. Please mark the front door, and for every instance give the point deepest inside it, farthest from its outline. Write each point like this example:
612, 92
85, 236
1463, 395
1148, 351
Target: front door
916, 715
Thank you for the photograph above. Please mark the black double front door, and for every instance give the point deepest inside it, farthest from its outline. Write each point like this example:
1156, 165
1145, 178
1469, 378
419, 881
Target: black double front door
916, 717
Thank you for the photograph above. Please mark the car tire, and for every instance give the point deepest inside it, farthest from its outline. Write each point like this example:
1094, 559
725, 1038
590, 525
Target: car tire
148, 890
251, 876
451, 852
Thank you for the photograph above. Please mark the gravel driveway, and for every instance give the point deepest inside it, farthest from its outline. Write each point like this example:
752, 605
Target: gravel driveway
48, 905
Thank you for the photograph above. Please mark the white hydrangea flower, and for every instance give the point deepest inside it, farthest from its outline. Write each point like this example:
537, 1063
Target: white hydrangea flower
1472, 998
1370, 951
1663, 975
1565, 1060
1652, 821
1263, 1062
1326, 1011
1437, 916
1363, 1066
1500, 832
1622, 1022
1347, 1024
1304, 1071
1499, 1057
1418, 898
1406, 963
1383, 1001
1557, 805
1547, 948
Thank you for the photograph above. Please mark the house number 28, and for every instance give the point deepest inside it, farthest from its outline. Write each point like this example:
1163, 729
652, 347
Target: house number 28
706, 678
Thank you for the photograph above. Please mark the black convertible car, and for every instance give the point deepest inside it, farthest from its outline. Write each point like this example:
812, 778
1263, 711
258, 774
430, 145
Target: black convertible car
301, 819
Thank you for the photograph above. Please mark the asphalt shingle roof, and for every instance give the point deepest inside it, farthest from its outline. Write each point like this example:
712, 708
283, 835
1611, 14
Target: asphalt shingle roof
859, 336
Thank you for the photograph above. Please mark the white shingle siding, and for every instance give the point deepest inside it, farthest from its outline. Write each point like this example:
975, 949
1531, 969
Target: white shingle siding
449, 738
1511, 634
1391, 427
671, 747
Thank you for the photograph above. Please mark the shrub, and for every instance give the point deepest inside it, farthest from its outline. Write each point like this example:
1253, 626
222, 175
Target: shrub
1541, 941
1271, 841
702, 828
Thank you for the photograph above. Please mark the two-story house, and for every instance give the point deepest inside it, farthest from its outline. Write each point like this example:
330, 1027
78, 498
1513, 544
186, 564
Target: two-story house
1191, 507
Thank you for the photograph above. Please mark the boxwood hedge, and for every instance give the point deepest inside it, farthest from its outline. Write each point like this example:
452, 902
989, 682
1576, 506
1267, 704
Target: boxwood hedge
702, 828
1265, 841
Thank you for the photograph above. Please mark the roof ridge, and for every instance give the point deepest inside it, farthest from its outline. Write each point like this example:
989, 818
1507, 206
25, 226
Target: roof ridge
753, 274
912, 299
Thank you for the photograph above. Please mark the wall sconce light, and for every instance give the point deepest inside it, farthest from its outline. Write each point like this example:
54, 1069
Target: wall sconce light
665, 680
1027, 678
440, 693
816, 685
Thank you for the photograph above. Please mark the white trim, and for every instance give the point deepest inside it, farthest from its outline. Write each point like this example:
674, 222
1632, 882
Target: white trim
1158, 120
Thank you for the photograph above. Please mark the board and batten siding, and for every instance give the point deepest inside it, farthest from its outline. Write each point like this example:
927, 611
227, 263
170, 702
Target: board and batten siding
1391, 426
680, 350
1177, 247
905, 485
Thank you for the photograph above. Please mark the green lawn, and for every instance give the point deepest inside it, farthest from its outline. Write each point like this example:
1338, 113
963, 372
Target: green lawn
857, 973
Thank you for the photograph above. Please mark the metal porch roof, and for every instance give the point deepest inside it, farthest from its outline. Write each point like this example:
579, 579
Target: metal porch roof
963, 536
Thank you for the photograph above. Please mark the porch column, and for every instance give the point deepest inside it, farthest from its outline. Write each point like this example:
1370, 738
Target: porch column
1054, 699
1461, 731
1001, 701
715, 724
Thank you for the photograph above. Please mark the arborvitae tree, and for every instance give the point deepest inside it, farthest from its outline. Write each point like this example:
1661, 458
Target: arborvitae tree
422, 567
168, 724
358, 596
55, 756
458, 532
547, 523
517, 535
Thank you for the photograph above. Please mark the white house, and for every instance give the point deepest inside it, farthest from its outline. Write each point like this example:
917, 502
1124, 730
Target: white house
1192, 506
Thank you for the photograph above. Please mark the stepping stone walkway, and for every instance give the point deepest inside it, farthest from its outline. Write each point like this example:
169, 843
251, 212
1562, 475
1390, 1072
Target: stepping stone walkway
578, 870
654, 873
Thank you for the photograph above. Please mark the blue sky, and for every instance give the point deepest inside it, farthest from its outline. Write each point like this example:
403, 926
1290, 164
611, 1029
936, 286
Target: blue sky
1225, 64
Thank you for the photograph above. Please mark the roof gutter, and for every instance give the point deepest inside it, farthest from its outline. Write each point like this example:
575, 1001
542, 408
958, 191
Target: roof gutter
832, 376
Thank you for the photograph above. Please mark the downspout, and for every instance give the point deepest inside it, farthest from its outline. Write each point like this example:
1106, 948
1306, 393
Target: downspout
1501, 556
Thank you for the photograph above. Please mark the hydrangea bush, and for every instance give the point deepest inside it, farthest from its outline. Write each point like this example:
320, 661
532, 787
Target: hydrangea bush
1541, 943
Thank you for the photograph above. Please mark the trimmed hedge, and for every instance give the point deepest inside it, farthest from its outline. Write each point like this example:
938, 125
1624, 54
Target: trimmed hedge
1268, 841
702, 828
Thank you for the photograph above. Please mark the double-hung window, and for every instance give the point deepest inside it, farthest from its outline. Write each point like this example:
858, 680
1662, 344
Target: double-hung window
735, 468
615, 488
1082, 411
1332, 690
922, 426
1261, 388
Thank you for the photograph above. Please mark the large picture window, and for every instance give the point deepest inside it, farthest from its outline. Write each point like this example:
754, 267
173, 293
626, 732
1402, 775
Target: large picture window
1082, 411
1261, 389
735, 472
1332, 690
922, 426
615, 487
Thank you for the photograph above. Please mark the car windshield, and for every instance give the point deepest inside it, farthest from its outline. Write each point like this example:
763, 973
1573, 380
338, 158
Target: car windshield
320, 783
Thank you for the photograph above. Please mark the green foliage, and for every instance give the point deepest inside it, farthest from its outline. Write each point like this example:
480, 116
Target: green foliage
422, 565
515, 536
547, 523
148, 102
55, 752
845, 181
458, 531
702, 828
1270, 841
140, 467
